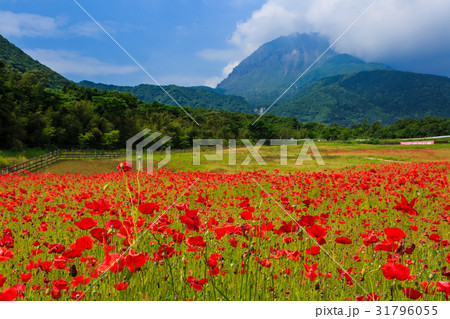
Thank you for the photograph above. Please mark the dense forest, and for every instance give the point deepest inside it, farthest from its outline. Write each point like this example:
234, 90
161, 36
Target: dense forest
194, 97
32, 115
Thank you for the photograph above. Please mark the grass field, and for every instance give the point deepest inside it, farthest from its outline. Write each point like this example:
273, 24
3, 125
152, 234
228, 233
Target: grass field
335, 155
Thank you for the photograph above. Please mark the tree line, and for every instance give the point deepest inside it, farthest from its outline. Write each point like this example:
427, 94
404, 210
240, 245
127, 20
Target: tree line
31, 115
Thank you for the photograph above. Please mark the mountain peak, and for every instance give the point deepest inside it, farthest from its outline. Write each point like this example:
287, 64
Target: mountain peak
274, 66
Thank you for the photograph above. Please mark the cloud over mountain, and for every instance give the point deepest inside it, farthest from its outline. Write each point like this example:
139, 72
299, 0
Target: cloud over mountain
396, 32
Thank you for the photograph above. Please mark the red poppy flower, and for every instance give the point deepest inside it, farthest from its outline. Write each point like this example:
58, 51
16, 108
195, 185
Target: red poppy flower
124, 167
80, 280
5, 254
56, 293
307, 220
412, 293
448, 258
77, 295
98, 207
288, 227
25, 277
8, 294
396, 271
113, 262
428, 287
148, 208
121, 285
197, 284
373, 297
406, 207
317, 231
265, 263
191, 219
314, 250
7, 240
83, 243
443, 286
245, 203
213, 260
134, 262
45, 265
233, 242
435, 237
100, 234
69, 253
409, 250
344, 240
246, 215
310, 271
20, 289
164, 252
86, 223
394, 234
178, 237
61, 284
386, 246
56, 249
196, 241
2, 280
214, 272
346, 275
371, 239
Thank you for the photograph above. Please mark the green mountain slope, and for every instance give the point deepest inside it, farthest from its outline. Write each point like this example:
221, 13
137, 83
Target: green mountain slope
19, 60
266, 73
380, 95
196, 97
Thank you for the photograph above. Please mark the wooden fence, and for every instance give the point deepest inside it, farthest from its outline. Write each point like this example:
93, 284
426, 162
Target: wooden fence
50, 158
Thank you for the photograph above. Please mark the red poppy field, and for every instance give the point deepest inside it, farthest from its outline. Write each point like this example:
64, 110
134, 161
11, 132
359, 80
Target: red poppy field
378, 232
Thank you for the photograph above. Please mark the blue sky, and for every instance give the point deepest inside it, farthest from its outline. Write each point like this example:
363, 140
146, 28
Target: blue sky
198, 42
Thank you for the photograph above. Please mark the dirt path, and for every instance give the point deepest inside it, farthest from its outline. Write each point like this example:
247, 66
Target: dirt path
385, 160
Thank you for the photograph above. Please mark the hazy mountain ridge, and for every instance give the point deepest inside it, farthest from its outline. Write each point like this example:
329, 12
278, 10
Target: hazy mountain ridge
197, 97
379, 95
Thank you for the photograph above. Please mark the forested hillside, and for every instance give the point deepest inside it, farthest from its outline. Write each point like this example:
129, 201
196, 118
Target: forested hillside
15, 57
381, 95
33, 116
195, 97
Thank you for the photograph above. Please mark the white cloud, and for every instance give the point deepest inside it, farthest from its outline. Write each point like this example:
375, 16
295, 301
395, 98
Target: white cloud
32, 25
229, 68
391, 31
86, 28
212, 81
73, 63
273, 19
28, 25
